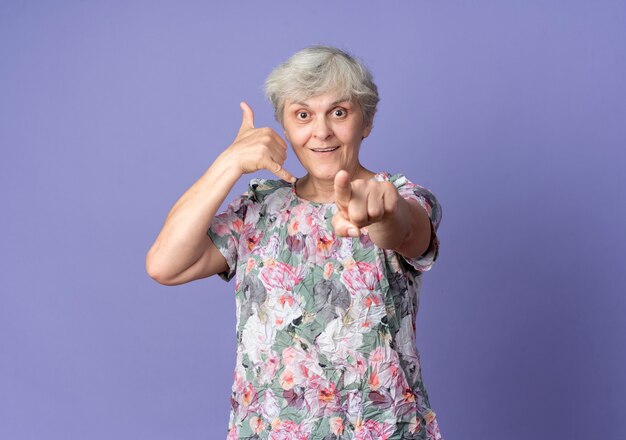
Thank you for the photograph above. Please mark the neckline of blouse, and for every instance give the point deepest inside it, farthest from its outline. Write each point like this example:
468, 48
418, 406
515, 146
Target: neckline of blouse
384, 175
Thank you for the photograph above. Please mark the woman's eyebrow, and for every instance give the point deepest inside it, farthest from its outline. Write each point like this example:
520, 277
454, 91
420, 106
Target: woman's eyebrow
339, 101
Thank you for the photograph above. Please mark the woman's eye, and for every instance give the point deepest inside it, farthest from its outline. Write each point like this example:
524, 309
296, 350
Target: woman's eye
302, 115
339, 113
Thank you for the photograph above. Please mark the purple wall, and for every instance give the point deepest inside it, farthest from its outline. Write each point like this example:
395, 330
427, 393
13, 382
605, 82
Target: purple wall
512, 113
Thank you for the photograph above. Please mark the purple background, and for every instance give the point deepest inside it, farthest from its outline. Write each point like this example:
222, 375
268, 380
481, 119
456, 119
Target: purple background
512, 113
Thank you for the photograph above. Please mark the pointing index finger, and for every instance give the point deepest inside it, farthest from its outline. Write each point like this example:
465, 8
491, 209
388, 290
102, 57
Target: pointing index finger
343, 189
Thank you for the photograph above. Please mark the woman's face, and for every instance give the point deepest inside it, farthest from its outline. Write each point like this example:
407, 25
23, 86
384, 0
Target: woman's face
325, 133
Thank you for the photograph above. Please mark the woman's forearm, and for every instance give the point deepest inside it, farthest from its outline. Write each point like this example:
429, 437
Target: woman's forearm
183, 238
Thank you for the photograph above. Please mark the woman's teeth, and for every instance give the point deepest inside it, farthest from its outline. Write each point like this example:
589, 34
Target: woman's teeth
325, 150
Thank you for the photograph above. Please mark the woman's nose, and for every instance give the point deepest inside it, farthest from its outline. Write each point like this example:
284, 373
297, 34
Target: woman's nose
321, 129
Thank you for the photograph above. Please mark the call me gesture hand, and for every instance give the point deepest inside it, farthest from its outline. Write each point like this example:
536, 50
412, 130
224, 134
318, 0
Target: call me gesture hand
258, 148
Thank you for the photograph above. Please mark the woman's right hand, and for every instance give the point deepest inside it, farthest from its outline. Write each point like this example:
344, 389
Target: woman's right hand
258, 148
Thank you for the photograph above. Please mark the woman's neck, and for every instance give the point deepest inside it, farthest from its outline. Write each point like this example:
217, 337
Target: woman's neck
323, 190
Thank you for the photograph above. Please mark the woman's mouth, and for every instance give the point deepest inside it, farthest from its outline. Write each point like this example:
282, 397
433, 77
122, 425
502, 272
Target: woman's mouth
325, 150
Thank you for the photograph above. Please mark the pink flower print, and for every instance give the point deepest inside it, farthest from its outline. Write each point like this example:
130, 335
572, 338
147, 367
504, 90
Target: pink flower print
372, 300
373, 430
282, 217
374, 309
279, 279
233, 433
303, 371
327, 394
280, 275
324, 243
318, 395
355, 368
269, 368
327, 397
286, 379
300, 367
288, 430
378, 355
432, 427
252, 238
290, 354
374, 380
283, 308
221, 228
285, 300
301, 220
361, 277
294, 227
385, 369
328, 270
324, 240
408, 396
256, 424
249, 395
238, 383
237, 225
285, 305
336, 425
249, 265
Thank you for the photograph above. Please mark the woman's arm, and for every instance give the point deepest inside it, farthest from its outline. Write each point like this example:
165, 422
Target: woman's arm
183, 251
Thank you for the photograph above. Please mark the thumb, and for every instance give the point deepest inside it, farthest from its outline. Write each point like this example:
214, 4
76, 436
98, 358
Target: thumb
343, 227
247, 117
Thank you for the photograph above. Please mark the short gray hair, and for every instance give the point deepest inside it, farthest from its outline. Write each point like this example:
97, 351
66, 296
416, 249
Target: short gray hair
316, 70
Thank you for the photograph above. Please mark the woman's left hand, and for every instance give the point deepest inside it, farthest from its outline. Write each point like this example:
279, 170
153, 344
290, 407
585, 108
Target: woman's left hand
361, 203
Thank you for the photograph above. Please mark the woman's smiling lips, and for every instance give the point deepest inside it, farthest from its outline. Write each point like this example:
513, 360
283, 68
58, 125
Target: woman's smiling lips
324, 150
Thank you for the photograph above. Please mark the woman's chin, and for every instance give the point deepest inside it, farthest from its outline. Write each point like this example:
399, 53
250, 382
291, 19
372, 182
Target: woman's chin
324, 173
328, 171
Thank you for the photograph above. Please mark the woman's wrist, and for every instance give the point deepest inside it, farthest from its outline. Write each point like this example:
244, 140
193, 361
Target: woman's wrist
393, 230
226, 167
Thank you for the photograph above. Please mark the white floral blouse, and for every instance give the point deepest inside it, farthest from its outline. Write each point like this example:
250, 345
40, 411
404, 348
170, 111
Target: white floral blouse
325, 324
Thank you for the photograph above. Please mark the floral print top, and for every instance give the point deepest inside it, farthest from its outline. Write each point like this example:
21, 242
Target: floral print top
325, 324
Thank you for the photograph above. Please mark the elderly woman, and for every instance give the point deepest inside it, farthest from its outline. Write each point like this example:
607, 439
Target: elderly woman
328, 266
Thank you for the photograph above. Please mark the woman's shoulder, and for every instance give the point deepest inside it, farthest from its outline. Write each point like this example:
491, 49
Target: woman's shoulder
398, 179
411, 190
260, 189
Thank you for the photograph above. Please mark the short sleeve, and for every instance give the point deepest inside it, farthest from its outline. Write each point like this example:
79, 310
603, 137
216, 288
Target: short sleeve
225, 230
429, 202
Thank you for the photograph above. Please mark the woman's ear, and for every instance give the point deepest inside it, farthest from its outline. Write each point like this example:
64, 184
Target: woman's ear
367, 130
